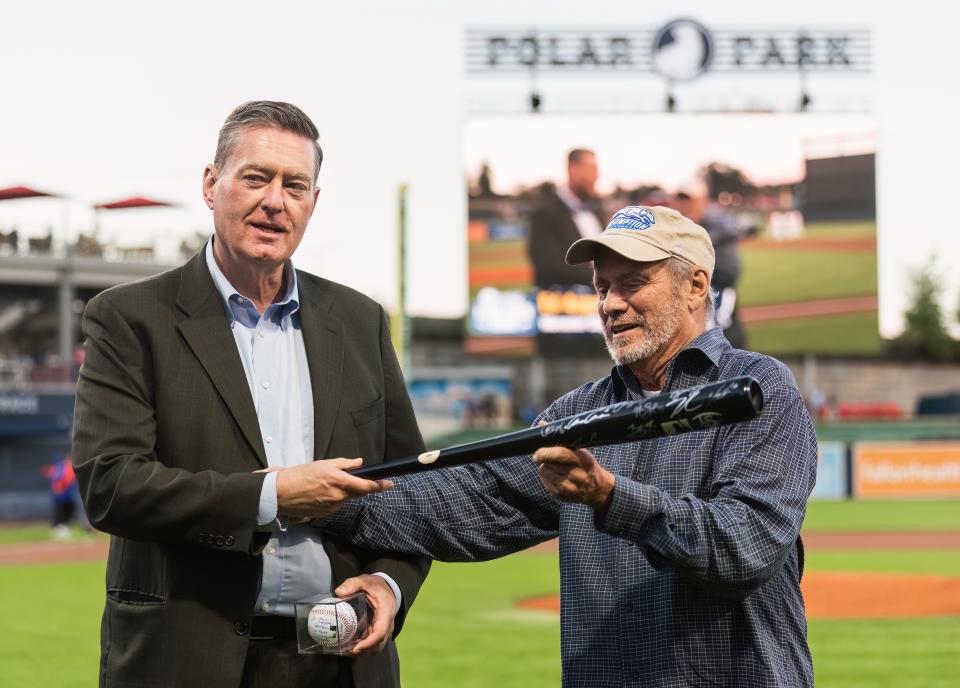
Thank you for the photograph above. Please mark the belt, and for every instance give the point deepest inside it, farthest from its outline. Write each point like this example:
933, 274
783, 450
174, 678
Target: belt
273, 627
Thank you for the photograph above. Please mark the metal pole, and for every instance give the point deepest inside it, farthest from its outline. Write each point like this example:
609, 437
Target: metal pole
399, 323
65, 324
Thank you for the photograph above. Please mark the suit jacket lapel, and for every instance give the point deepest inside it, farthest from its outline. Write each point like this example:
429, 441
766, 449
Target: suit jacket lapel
323, 340
207, 332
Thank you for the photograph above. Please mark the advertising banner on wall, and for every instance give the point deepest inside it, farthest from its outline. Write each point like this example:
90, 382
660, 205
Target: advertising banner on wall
831, 471
906, 469
453, 400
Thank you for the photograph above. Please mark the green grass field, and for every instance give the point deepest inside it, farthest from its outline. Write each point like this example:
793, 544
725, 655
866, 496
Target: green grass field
854, 333
786, 275
455, 635
783, 275
883, 515
853, 229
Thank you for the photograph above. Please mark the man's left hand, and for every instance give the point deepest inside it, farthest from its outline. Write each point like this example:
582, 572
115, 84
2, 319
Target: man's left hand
575, 476
383, 605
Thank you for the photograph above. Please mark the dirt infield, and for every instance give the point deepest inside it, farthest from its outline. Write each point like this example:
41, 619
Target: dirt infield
828, 594
947, 539
808, 309
53, 552
933, 539
856, 244
57, 552
854, 595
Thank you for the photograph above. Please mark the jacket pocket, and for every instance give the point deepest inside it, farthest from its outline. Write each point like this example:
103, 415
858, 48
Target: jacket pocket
368, 413
135, 597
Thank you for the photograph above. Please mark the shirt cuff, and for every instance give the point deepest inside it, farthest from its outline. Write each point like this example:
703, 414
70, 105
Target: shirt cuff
268, 500
632, 506
393, 586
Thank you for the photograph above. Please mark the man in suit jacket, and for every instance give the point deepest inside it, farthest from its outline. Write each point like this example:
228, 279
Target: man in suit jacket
205, 396
562, 217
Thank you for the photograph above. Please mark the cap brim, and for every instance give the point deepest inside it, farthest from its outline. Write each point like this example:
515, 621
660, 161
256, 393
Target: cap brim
630, 246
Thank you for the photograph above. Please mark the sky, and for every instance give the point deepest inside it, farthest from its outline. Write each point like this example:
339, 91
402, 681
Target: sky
102, 100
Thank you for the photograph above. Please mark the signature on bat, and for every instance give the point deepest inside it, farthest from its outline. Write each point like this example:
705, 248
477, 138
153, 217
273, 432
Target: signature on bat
653, 428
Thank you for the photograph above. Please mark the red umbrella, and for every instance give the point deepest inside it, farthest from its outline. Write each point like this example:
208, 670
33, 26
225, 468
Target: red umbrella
134, 202
22, 192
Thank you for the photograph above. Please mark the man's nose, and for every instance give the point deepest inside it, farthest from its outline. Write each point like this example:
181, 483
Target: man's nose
272, 201
613, 303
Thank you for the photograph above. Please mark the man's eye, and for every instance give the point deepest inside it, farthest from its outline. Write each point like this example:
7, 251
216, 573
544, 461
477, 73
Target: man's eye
254, 179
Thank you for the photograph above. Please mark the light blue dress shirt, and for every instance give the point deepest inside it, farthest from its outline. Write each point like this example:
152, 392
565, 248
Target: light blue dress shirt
295, 564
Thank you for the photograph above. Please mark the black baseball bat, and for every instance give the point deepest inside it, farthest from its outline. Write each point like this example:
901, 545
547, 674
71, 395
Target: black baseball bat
684, 410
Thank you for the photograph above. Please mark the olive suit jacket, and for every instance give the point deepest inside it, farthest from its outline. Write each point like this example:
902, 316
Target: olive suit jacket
166, 442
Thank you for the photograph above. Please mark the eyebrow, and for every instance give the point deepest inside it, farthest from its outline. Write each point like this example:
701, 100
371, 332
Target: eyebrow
270, 172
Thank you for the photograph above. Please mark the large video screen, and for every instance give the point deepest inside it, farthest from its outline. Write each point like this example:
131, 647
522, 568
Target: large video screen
789, 201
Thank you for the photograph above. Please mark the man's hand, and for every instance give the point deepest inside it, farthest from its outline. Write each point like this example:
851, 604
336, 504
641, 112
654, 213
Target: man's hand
316, 489
575, 476
383, 603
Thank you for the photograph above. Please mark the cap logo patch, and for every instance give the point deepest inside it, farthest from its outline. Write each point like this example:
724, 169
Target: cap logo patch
632, 217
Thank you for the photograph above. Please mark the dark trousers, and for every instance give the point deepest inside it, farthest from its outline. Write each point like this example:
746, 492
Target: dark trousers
63, 512
275, 663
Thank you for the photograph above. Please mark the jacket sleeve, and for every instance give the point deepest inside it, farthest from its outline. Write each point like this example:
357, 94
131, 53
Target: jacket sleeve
125, 486
738, 538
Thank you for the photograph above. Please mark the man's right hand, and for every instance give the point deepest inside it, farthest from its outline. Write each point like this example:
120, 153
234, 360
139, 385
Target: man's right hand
316, 489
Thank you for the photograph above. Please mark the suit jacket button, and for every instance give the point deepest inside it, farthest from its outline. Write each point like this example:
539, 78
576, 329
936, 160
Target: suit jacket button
219, 541
241, 627
229, 540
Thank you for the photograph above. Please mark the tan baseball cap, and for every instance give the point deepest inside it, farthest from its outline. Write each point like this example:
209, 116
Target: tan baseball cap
646, 234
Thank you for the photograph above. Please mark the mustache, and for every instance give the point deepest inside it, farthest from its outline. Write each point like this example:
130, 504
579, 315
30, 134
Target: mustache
610, 323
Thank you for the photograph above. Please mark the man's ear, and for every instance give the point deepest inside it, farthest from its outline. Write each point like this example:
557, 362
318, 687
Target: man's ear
699, 288
210, 176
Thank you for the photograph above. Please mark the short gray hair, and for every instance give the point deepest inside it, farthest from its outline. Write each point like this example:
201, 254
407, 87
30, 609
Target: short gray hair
680, 271
267, 113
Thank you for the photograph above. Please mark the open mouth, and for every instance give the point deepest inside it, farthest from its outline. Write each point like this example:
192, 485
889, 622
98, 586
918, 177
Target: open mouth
268, 228
622, 327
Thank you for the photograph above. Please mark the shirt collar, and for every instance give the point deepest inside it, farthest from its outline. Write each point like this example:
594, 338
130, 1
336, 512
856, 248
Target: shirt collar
708, 347
571, 199
240, 307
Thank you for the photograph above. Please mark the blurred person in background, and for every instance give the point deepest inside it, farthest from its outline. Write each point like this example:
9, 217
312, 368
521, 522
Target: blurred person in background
207, 397
564, 215
680, 557
694, 202
63, 495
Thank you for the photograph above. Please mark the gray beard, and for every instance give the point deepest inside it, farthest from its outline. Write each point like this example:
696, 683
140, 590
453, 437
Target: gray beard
655, 337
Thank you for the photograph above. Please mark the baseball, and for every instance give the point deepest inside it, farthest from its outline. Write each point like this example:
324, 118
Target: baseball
331, 625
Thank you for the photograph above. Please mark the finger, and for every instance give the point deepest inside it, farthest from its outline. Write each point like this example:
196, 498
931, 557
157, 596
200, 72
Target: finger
357, 487
559, 455
586, 459
377, 634
268, 469
551, 473
372, 642
348, 587
564, 472
345, 464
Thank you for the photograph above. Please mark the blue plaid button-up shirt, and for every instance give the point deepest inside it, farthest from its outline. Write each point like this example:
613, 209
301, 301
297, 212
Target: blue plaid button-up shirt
691, 578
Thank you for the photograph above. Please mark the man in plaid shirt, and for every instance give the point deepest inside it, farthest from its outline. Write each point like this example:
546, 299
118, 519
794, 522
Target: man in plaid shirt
680, 557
